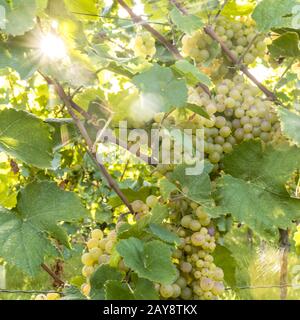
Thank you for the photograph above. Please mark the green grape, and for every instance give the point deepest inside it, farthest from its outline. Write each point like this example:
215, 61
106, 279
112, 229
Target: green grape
206, 284
166, 291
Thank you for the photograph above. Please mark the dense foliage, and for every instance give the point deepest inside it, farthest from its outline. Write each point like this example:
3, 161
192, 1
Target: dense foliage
84, 219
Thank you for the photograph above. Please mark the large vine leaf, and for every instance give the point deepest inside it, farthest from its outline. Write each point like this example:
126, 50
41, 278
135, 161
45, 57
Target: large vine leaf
290, 124
21, 243
19, 15
25, 137
254, 192
143, 258
270, 14
23, 240
161, 86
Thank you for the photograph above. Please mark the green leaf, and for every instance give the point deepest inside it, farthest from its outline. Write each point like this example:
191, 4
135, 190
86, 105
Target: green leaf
186, 23
166, 188
232, 8
163, 234
19, 16
25, 137
223, 259
195, 187
270, 14
17, 54
116, 290
72, 293
23, 230
286, 45
255, 192
143, 258
290, 124
131, 195
21, 243
144, 290
157, 215
83, 9
98, 279
198, 110
191, 73
160, 85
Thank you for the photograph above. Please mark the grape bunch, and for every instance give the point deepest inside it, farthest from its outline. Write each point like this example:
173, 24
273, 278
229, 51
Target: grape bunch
239, 35
199, 277
144, 45
238, 112
99, 249
48, 296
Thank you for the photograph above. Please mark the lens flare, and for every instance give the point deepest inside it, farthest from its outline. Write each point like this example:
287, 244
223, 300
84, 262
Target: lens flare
53, 47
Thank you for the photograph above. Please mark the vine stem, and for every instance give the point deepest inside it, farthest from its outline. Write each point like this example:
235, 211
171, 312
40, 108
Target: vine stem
56, 279
112, 183
147, 159
158, 36
210, 31
179, 7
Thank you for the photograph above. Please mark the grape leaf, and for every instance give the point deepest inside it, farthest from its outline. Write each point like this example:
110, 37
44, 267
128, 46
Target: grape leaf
290, 124
191, 73
270, 14
195, 187
72, 293
198, 110
83, 9
21, 243
255, 192
100, 277
19, 16
25, 137
143, 259
116, 290
223, 259
287, 45
163, 234
186, 23
144, 290
166, 188
22, 230
232, 8
157, 215
159, 84
17, 54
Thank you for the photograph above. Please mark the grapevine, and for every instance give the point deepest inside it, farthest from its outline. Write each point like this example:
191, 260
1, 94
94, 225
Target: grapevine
149, 150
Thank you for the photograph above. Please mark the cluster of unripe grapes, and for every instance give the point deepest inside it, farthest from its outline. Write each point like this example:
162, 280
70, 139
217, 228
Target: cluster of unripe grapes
99, 249
237, 112
48, 296
144, 45
239, 35
199, 277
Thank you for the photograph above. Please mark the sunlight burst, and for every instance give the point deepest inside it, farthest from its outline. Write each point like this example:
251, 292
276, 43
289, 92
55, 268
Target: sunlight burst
53, 47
